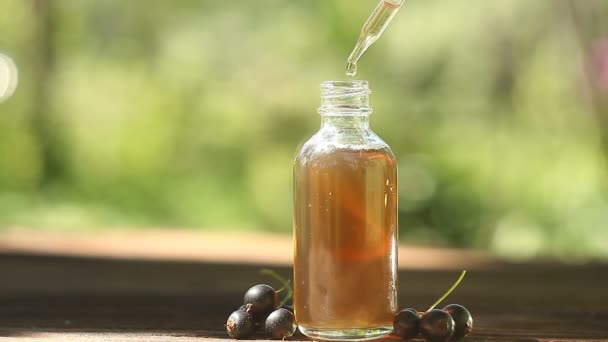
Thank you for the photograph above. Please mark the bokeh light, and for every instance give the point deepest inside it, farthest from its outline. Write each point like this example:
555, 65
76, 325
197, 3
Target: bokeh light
9, 77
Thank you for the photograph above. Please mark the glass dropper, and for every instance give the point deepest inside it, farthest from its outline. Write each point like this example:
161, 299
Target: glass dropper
371, 31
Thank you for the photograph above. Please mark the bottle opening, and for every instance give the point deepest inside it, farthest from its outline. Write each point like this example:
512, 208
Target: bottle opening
344, 89
345, 98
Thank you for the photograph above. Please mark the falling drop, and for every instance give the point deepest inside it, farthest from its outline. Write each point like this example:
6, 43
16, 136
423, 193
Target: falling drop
351, 69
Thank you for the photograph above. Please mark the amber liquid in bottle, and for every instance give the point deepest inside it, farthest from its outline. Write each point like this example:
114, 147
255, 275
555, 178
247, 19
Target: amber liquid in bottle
345, 221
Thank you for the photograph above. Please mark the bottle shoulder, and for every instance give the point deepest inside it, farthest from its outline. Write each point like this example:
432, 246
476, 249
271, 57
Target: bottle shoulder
324, 143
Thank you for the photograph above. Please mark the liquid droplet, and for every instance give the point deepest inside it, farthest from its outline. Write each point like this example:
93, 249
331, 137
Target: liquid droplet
351, 69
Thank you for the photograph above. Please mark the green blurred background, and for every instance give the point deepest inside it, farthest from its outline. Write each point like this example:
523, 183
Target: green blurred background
189, 113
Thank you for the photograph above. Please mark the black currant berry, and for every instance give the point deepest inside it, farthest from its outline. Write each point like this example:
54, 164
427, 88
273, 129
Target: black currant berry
258, 319
436, 326
462, 319
280, 324
240, 325
261, 299
407, 324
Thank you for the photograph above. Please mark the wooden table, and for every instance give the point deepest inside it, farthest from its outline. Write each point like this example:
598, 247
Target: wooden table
44, 296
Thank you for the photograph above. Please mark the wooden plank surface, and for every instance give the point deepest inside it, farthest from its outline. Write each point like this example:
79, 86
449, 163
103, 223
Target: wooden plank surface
189, 245
97, 298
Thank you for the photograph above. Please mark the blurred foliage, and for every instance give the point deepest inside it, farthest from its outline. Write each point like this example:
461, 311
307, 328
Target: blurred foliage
188, 113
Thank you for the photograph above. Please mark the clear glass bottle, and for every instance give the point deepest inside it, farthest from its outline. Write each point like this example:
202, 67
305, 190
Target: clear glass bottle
345, 222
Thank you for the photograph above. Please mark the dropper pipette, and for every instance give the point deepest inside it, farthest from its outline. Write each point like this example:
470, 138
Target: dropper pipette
371, 31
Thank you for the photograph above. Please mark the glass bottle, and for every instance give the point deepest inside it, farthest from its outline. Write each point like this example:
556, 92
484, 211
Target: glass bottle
345, 222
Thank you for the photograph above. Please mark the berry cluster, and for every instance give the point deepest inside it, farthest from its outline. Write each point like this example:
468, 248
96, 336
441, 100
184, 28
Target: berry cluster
451, 323
263, 311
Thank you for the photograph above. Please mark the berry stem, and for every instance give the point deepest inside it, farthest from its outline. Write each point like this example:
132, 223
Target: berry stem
284, 286
449, 291
283, 281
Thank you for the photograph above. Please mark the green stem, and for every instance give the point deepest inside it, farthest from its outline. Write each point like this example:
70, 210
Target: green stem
449, 291
284, 287
285, 282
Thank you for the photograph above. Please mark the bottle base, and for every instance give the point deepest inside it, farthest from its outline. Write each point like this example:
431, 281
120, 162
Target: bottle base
346, 334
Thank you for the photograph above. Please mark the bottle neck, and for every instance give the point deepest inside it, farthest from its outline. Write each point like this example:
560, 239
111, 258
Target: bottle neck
345, 103
345, 114
344, 122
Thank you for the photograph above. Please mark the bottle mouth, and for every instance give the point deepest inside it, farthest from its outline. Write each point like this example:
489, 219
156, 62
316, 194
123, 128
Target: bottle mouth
339, 98
344, 89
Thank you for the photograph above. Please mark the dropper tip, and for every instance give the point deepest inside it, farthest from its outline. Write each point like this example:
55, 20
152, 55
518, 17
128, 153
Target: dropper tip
351, 69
